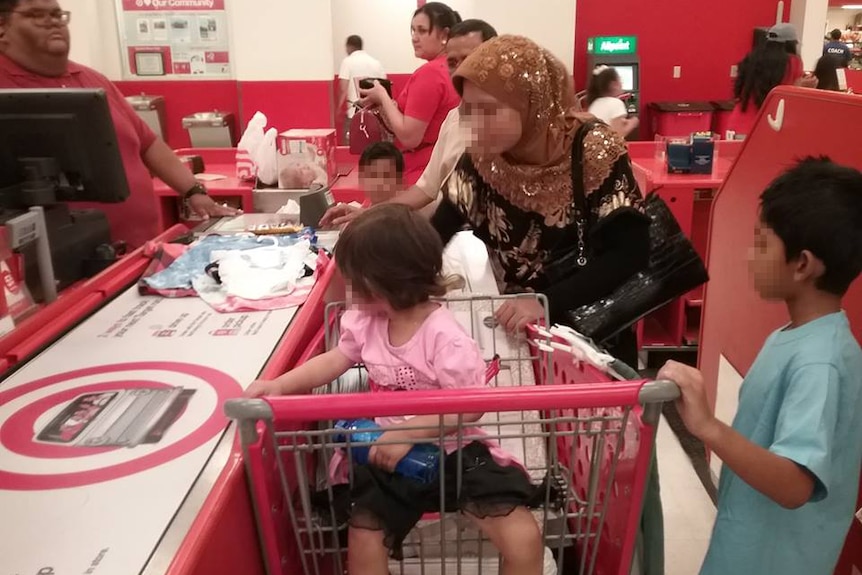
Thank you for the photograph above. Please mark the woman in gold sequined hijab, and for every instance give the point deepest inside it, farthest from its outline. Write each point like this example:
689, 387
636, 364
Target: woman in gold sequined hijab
549, 190
524, 146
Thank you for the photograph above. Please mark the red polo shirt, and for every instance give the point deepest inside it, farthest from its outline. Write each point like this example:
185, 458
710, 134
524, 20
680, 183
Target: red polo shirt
134, 220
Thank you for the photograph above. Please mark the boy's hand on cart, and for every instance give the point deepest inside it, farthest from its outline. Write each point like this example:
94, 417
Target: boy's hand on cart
386, 457
338, 215
262, 388
693, 405
516, 314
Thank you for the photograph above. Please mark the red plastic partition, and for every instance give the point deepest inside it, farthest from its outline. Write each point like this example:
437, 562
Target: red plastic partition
794, 123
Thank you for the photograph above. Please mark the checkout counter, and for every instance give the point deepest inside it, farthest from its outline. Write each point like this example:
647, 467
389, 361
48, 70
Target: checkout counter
150, 374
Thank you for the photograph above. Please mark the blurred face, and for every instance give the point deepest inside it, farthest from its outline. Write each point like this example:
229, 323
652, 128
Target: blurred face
492, 127
379, 180
457, 49
35, 28
771, 273
427, 43
616, 89
357, 301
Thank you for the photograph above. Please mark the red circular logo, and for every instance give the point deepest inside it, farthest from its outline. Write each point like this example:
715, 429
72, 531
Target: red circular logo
17, 432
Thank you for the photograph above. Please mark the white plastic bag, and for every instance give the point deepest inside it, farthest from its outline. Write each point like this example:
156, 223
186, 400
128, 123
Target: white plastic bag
266, 158
246, 150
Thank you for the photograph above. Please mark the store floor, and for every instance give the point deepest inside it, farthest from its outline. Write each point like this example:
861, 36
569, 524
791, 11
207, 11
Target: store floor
688, 510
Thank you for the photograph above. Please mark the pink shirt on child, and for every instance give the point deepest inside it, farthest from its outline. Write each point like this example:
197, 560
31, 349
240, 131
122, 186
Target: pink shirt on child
440, 355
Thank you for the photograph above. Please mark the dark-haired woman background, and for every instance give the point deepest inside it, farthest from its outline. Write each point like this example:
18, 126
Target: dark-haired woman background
774, 63
416, 115
603, 99
826, 72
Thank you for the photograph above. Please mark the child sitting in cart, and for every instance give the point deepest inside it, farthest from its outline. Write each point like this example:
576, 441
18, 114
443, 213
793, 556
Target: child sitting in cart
392, 259
791, 460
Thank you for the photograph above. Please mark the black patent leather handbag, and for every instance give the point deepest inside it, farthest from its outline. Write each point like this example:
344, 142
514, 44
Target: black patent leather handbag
674, 269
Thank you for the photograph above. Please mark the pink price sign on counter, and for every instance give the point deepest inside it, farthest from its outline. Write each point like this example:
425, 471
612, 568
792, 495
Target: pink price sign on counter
105, 433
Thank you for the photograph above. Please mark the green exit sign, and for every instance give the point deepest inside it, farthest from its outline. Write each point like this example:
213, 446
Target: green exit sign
612, 45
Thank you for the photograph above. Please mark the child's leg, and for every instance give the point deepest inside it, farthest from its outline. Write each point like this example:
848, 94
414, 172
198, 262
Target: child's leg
366, 553
518, 539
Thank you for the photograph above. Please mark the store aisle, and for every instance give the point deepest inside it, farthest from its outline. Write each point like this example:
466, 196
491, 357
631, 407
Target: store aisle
688, 511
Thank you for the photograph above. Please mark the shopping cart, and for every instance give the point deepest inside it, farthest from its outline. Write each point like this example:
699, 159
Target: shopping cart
587, 443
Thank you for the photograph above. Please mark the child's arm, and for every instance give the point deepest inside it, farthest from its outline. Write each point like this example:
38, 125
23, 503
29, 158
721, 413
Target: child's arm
316, 372
781, 479
387, 456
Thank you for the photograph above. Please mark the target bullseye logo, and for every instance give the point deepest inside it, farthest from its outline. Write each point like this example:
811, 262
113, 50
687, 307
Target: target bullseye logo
28, 412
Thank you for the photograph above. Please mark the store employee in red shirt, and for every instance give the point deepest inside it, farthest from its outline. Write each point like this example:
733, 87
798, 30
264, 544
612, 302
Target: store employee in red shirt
34, 54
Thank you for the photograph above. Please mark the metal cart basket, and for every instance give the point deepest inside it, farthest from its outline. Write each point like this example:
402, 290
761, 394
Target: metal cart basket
553, 402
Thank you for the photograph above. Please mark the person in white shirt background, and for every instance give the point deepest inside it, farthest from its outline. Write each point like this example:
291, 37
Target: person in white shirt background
603, 99
357, 65
464, 38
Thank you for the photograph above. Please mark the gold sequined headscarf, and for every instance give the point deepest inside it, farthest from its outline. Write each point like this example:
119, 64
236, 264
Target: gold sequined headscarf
535, 175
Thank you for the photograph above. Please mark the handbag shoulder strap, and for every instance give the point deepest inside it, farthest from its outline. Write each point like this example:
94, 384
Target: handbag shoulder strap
579, 196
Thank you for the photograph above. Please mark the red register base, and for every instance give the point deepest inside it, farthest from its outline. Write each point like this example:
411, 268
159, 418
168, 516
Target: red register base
735, 321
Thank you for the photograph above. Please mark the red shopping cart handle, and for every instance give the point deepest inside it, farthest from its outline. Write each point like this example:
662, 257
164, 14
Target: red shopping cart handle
475, 400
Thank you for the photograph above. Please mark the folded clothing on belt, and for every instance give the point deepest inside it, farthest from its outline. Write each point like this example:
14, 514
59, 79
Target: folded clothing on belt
173, 270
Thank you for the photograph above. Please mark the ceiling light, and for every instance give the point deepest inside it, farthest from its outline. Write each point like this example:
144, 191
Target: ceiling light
852, 7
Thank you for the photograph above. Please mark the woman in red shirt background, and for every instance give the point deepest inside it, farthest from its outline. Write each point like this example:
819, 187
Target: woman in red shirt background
416, 115
773, 63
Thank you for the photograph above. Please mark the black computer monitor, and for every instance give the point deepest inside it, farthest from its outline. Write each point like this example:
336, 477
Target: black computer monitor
58, 145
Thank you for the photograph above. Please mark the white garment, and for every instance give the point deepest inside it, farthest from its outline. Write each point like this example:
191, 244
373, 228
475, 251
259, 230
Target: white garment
449, 148
358, 65
608, 109
264, 272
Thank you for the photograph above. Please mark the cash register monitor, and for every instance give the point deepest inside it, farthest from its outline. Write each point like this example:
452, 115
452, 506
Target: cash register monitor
59, 146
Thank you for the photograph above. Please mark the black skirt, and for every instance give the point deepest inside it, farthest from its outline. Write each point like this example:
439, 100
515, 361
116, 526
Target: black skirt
392, 503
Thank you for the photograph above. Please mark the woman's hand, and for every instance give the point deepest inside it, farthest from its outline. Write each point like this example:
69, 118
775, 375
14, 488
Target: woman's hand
373, 97
515, 314
262, 388
337, 216
206, 208
386, 457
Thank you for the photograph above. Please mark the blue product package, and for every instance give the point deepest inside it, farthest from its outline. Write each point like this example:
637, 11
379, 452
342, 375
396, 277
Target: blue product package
678, 158
421, 463
702, 154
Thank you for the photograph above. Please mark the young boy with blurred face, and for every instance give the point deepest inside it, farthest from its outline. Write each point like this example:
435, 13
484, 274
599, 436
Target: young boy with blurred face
791, 459
381, 172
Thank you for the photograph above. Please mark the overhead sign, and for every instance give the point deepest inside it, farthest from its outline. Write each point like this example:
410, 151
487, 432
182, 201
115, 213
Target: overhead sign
612, 45
184, 39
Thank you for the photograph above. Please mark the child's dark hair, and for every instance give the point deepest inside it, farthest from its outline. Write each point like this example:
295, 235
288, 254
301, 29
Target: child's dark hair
600, 84
817, 206
440, 15
393, 253
383, 151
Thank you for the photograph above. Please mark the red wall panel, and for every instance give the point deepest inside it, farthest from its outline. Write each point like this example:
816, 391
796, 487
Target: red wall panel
306, 104
186, 97
704, 38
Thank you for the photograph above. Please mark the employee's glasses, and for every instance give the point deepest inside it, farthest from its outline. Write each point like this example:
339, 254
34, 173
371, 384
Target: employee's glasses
45, 17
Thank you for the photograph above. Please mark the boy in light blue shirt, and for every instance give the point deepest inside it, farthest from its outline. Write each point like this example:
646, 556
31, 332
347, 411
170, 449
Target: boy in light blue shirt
792, 458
